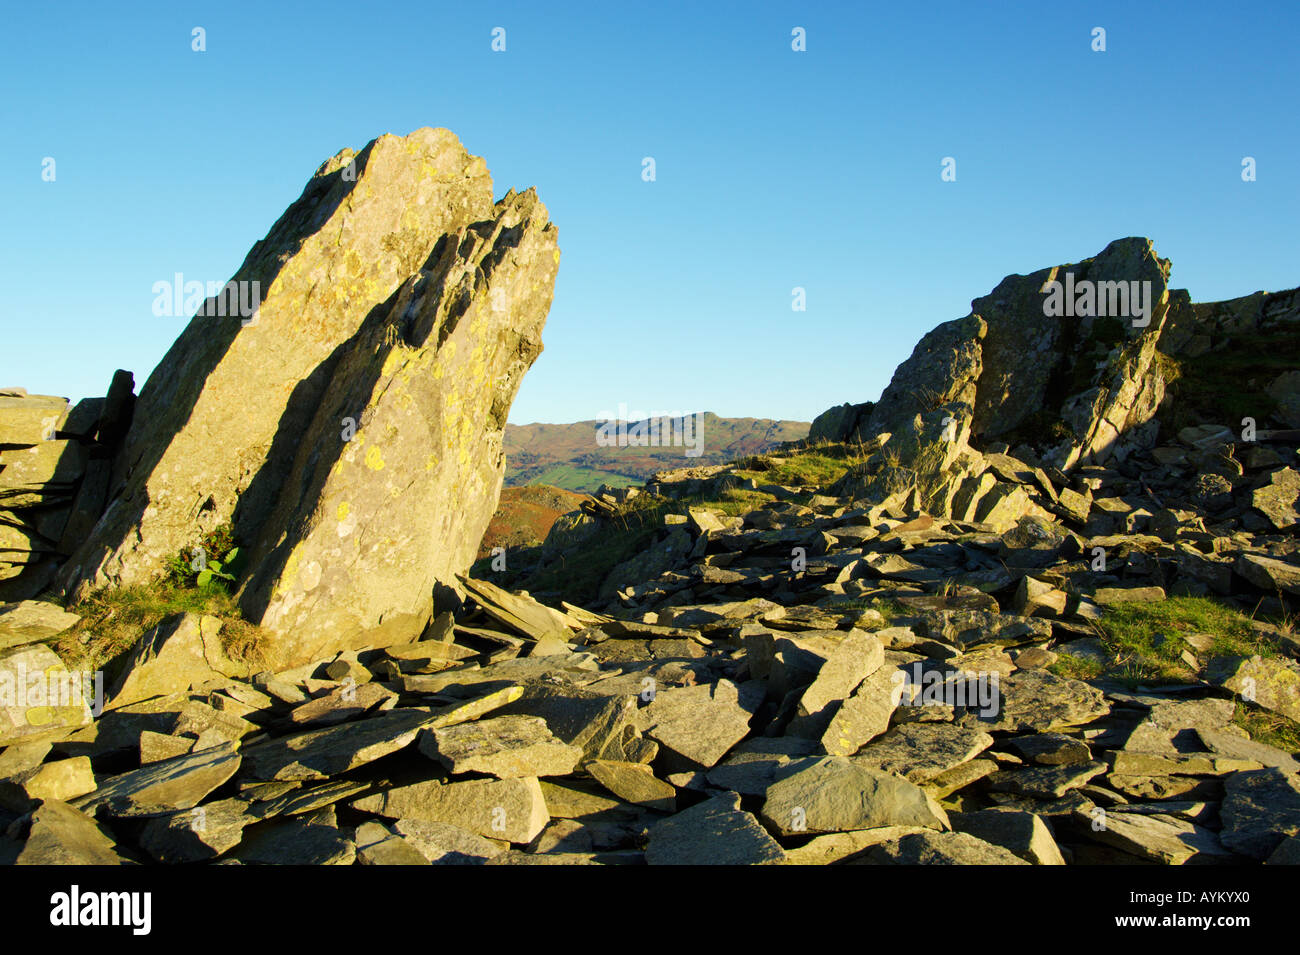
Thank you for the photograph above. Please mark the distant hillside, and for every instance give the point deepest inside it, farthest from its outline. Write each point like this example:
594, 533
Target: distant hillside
568, 456
524, 516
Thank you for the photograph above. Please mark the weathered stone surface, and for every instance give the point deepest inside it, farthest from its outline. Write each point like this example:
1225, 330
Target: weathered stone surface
836, 846
1157, 837
30, 419
343, 704
1046, 782
376, 845
181, 653
858, 656
1260, 808
1036, 701
943, 369
413, 314
1273, 683
634, 783
1236, 747
321, 753
576, 716
163, 787
834, 794
1052, 749
504, 746
701, 723
920, 751
444, 844
714, 832
1023, 833
864, 715
938, 848
190, 446
193, 835
63, 779
296, 842
510, 809
30, 621
470, 327
1278, 499
1269, 574
61, 835
755, 764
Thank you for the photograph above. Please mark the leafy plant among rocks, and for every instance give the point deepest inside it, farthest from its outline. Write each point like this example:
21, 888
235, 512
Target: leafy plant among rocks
214, 562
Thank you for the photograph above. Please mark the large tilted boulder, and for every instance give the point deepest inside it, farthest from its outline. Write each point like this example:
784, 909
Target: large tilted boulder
368, 526
351, 431
218, 423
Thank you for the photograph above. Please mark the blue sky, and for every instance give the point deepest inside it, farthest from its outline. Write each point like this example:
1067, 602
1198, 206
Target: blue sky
775, 169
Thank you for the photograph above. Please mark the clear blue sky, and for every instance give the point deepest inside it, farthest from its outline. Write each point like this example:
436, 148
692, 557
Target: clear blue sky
775, 169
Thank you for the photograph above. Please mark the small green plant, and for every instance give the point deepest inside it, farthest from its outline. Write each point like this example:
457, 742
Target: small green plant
214, 562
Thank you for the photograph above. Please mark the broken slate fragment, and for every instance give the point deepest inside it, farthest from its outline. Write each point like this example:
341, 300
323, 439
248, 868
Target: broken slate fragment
165, 786
714, 832
503, 746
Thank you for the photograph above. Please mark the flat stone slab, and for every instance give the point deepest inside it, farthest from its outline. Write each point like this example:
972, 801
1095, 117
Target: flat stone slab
322, 753
295, 842
1157, 837
1045, 782
634, 783
504, 746
377, 845
345, 703
1035, 701
194, 835
864, 715
163, 787
181, 653
858, 656
701, 723
1052, 749
31, 621
938, 848
755, 764
714, 832
509, 809
1272, 683
445, 844
920, 751
62, 835
1260, 808
576, 716
1023, 833
1237, 747
834, 794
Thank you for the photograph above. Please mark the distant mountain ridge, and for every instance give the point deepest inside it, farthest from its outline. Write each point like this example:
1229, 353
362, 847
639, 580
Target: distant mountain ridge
571, 456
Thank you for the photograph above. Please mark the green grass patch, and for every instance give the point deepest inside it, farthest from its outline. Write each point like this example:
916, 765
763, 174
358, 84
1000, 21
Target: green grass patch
1130, 632
1266, 727
815, 467
1075, 667
578, 478
114, 619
